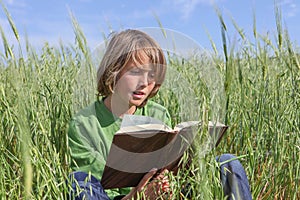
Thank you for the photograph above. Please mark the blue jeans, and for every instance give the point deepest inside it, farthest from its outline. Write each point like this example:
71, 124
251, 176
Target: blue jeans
86, 186
233, 177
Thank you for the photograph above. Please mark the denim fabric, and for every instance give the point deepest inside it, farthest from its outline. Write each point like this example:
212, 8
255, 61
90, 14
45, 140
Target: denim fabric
86, 186
234, 179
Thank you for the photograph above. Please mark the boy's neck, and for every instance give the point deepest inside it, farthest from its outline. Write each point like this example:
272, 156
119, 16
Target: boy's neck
118, 109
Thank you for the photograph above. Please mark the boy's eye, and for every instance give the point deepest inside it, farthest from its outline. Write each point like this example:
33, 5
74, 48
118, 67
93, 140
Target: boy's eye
140, 72
135, 71
152, 74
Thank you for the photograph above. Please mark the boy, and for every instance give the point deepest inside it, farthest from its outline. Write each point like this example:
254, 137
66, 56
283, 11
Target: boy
130, 73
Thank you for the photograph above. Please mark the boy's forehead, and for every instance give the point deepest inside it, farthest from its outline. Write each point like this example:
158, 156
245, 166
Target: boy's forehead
140, 59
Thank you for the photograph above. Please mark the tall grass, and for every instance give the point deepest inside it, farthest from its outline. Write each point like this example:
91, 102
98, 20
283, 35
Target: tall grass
42, 90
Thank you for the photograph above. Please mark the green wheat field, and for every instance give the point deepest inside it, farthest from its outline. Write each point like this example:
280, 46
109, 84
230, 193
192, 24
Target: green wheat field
40, 90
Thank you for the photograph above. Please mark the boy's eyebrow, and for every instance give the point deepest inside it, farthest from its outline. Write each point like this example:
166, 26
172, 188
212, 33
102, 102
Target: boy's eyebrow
144, 67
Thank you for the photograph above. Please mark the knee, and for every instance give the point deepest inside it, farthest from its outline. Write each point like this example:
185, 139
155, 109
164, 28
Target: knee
233, 177
80, 176
85, 186
225, 157
230, 162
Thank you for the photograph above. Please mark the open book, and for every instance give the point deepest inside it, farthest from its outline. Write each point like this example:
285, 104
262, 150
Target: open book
144, 143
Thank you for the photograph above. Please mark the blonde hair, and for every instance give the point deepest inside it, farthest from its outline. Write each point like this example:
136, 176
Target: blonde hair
129, 45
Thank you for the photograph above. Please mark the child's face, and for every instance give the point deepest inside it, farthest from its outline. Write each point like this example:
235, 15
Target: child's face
135, 83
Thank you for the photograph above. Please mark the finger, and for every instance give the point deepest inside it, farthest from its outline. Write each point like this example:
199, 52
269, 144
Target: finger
165, 187
165, 182
146, 178
164, 173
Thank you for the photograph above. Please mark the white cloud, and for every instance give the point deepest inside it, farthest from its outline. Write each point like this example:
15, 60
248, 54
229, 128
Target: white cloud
186, 7
16, 9
9, 2
289, 7
16, 4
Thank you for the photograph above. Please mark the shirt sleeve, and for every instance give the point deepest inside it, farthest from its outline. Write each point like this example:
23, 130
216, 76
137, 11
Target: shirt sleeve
83, 156
86, 157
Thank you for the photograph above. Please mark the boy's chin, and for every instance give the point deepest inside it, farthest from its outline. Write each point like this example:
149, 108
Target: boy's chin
136, 103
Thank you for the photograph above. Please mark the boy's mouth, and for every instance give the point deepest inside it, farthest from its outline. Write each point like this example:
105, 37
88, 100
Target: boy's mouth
138, 94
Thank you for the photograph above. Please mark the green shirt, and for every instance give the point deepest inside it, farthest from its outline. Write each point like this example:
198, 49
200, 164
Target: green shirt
90, 136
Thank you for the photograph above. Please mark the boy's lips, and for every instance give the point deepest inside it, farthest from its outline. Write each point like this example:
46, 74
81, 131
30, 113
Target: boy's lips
139, 94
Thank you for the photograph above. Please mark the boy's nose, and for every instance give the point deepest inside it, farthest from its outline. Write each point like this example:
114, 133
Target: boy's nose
144, 79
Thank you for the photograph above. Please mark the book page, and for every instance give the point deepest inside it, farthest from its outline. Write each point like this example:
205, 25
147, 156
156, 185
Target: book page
187, 124
216, 130
139, 123
134, 120
139, 129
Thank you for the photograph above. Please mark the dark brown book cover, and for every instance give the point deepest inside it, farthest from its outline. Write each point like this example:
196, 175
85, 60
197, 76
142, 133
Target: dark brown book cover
136, 149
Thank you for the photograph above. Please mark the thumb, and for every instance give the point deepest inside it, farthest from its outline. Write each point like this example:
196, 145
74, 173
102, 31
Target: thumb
146, 178
141, 184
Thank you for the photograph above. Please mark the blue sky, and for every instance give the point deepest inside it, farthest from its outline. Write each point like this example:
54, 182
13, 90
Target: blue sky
50, 21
